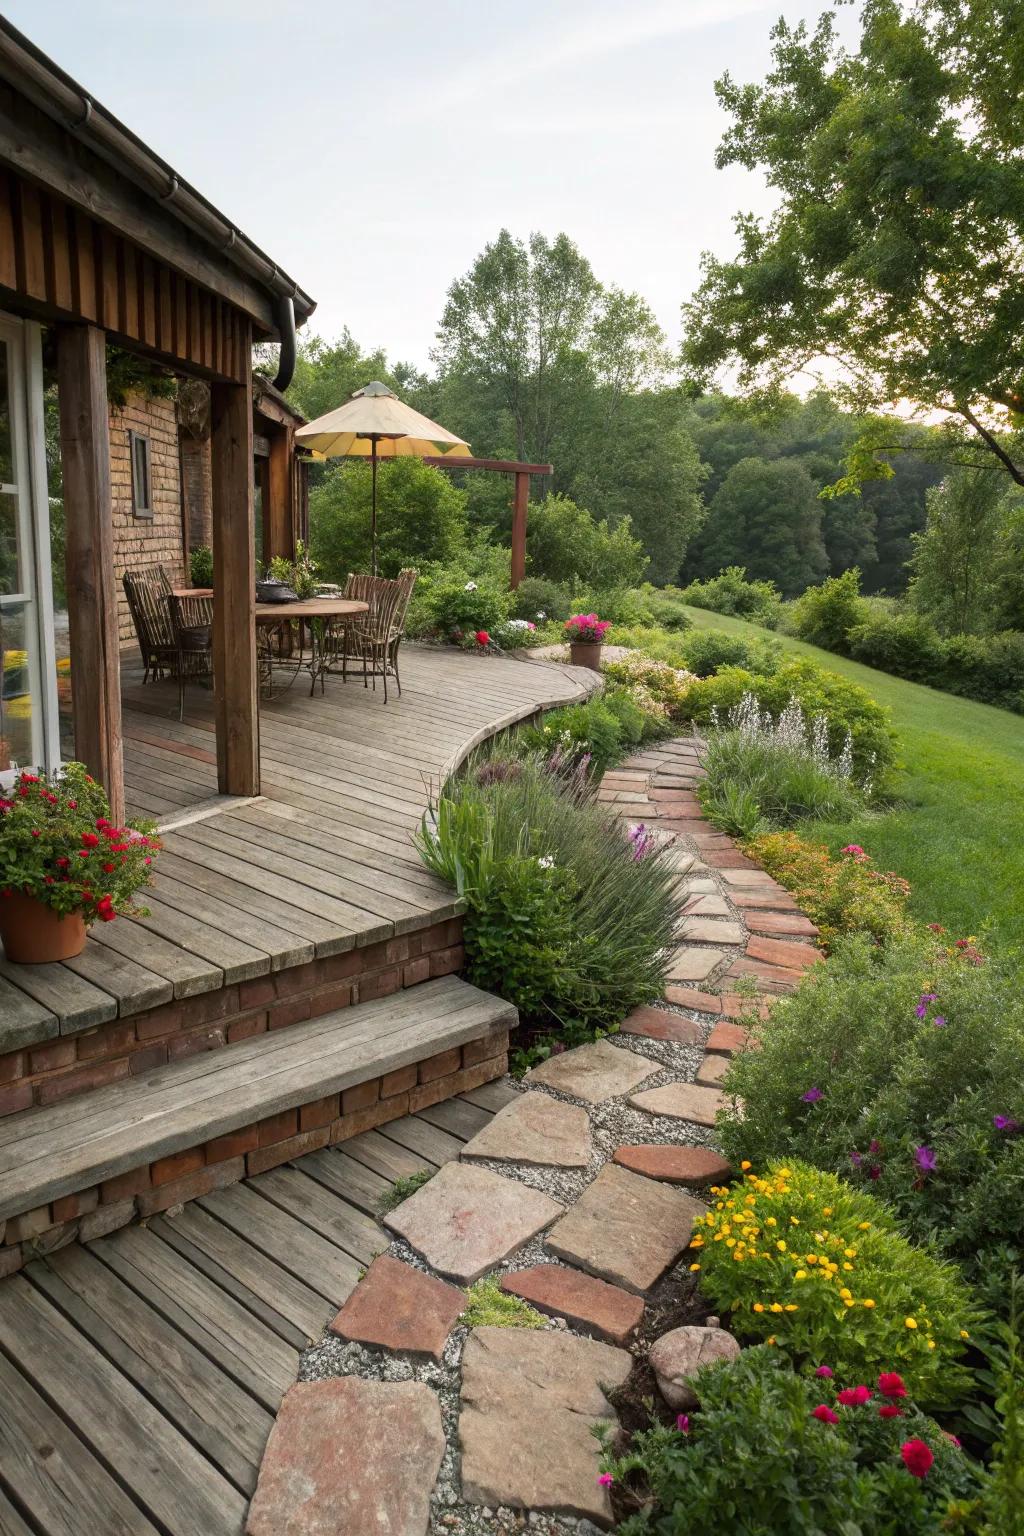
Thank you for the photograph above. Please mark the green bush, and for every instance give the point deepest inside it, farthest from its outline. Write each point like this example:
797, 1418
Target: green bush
731, 592
843, 895
987, 667
904, 644
456, 607
824, 615
565, 915
916, 1053
755, 784
755, 1461
536, 596
796, 1256
668, 607
604, 729
200, 565
421, 517
704, 651
567, 545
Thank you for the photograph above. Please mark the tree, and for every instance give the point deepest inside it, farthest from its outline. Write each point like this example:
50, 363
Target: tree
421, 516
767, 516
565, 544
958, 575
896, 251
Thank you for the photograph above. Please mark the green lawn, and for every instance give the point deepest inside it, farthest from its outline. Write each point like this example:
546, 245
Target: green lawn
958, 833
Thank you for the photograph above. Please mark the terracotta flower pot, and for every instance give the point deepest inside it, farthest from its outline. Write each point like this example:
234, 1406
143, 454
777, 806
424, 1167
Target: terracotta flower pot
586, 653
34, 933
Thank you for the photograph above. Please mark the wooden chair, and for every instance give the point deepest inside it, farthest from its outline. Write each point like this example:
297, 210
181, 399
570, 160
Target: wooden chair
406, 580
148, 606
371, 641
192, 624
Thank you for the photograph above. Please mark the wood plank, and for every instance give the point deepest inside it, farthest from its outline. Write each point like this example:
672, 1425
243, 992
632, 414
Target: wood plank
251, 1354
289, 1242
423, 1139
11, 1523
133, 986
234, 586
387, 1158
284, 949
457, 1118
89, 555
176, 1485
237, 961
220, 1419
76, 1003
291, 1307
23, 1020
323, 1210
356, 1183
492, 1096
188, 974
53, 1474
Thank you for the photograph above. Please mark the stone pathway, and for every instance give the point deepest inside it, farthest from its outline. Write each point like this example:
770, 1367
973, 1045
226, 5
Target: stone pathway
578, 1197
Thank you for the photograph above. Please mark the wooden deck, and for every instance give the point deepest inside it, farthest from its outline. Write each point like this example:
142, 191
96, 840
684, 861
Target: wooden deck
321, 862
140, 1374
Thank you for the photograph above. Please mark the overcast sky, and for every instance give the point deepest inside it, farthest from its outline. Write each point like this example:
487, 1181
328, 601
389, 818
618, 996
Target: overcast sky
372, 147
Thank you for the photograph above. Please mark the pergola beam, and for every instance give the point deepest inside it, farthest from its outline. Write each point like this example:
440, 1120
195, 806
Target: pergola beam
520, 502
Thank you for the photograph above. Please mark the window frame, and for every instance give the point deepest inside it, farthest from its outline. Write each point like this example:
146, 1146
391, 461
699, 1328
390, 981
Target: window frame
142, 506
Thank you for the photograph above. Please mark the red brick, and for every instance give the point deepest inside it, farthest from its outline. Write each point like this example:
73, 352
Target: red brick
215, 1176
453, 931
195, 1042
291, 1012
379, 984
590, 1304
768, 978
341, 967
95, 1076
774, 924
447, 962
688, 997
69, 1207
258, 992
396, 950
327, 999
165, 1020
320, 1112
736, 1006
124, 1186
12, 1066
786, 952
726, 1039
245, 1029
177, 1166
17, 1097
47, 1058
491, 1044
277, 1127
362, 1096
234, 1144
416, 971
112, 1040
210, 1007
145, 1060
367, 1119
442, 1088
283, 1151
441, 1065
373, 956
399, 1081
726, 858
659, 1024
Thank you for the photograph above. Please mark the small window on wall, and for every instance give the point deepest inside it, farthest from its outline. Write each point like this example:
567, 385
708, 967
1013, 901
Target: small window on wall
142, 496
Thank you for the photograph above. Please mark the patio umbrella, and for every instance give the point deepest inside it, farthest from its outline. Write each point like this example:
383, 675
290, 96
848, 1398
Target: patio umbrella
375, 424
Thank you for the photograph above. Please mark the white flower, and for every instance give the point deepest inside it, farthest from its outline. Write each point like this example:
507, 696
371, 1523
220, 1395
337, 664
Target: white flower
517, 624
470, 586
541, 615
546, 861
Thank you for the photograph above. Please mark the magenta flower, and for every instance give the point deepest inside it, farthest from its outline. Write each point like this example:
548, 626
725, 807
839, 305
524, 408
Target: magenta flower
925, 1159
938, 1021
824, 1370
812, 1095
1005, 1123
605, 1480
824, 1414
683, 1423
856, 1159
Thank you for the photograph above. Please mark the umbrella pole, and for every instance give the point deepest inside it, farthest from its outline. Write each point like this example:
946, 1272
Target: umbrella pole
373, 520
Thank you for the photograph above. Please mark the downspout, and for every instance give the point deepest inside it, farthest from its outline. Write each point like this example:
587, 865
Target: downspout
286, 325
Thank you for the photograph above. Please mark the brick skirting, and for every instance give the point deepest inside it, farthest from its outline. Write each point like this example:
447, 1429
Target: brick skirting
71, 1064
170, 1181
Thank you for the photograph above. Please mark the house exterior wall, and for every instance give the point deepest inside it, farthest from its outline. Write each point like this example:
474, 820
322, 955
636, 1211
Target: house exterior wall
144, 543
197, 489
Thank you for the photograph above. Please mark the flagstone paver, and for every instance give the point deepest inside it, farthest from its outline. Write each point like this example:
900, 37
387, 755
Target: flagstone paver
468, 1219
347, 1457
776, 900
397, 1307
529, 1402
712, 930
692, 1167
726, 1039
625, 1228
593, 1072
776, 924
681, 1101
693, 963
787, 952
535, 1128
712, 1070
584, 1301
689, 997
707, 906
659, 1024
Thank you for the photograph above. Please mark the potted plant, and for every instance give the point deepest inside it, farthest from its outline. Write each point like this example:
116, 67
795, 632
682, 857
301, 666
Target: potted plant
586, 634
63, 864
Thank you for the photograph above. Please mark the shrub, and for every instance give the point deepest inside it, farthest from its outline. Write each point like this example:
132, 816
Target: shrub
916, 1052
989, 668
824, 615
600, 731
904, 644
731, 592
668, 607
756, 1460
452, 607
665, 684
567, 545
567, 916
421, 516
753, 785
538, 599
704, 651
844, 895
200, 566
797, 1256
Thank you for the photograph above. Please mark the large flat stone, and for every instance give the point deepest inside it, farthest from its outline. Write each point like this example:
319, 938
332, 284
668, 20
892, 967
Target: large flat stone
693, 963
397, 1307
786, 952
529, 1401
769, 924
593, 1072
712, 1070
712, 930
660, 1024
625, 1229
347, 1457
468, 1219
585, 1302
689, 1166
681, 1101
535, 1128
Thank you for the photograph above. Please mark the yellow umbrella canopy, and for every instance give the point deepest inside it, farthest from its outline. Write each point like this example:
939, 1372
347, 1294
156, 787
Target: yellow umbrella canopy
375, 424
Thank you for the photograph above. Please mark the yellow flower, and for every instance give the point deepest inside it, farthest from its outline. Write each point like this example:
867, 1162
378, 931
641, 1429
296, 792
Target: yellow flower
847, 1266
780, 1245
848, 1301
826, 1210
863, 1226
791, 1306
771, 1222
801, 1274
849, 1253
964, 1334
931, 1343
771, 1339
758, 1306
730, 1242
911, 1322
812, 1258
783, 1173
744, 1165
776, 1306
793, 1221
868, 1303
844, 1293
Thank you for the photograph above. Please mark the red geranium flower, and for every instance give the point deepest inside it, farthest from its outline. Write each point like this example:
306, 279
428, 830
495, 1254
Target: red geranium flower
482, 637
824, 1413
90, 840
917, 1458
890, 1411
853, 1397
891, 1384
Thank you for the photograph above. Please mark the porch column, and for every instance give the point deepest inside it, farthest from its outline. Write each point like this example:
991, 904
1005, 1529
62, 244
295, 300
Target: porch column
89, 556
234, 587
281, 522
522, 498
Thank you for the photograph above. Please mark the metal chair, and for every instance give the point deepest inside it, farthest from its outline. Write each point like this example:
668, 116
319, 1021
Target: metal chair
147, 604
371, 641
406, 580
192, 623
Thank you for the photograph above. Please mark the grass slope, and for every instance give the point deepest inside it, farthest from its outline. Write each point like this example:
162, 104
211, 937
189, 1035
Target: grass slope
958, 833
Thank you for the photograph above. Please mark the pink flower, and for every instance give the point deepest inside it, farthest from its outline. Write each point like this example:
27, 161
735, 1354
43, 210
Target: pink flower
606, 1480
823, 1413
890, 1411
891, 1384
853, 1397
824, 1370
683, 1423
917, 1458
952, 1439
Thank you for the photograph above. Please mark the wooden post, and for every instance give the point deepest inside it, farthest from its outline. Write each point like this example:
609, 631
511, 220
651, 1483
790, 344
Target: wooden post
234, 587
89, 556
522, 498
279, 516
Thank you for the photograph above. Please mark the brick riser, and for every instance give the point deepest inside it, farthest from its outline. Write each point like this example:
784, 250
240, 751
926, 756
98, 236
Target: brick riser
72, 1064
196, 1171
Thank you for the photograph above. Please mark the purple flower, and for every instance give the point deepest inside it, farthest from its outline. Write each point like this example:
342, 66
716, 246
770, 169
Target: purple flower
875, 1148
925, 1159
683, 1423
938, 1021
812, 1095
856, 1159
1005, 1123
921, 1010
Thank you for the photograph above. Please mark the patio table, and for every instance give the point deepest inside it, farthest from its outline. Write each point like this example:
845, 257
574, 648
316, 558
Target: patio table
271, 617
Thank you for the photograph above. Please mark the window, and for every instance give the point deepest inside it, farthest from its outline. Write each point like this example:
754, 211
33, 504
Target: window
142, 500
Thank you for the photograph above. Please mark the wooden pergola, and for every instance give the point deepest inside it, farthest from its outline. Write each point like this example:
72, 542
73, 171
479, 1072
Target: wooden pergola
521, 499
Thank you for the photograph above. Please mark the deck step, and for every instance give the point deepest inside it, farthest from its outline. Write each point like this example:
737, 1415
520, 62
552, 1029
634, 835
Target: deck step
245, 1099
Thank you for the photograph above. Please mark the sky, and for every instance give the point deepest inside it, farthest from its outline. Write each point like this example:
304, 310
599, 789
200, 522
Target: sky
373, 149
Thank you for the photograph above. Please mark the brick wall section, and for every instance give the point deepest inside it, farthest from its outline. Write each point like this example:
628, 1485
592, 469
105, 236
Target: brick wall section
197, 489
170, 1181
144, 543
72, 1064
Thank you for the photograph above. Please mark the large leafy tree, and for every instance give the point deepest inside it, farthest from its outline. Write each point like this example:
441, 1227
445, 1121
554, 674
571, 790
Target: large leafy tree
766, 515
896, 253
